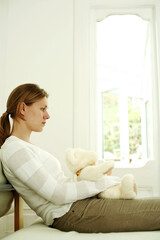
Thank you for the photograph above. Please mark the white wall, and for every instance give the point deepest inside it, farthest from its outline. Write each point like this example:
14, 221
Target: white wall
36, 44
3, 45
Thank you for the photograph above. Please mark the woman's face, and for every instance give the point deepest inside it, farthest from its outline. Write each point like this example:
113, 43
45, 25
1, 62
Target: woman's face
36, 115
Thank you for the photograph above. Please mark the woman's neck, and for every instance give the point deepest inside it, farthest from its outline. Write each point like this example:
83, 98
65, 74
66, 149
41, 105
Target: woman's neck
20, 136
20, 131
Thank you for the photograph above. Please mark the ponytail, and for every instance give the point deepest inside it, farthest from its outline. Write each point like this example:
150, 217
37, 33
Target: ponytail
4, 127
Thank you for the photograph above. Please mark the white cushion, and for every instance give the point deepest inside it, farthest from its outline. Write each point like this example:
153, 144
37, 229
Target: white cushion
6, 197
39, 231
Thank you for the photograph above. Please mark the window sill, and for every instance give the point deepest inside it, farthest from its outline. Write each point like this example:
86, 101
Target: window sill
135, 164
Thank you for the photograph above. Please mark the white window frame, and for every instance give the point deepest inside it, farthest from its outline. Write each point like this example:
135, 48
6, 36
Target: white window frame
85, 102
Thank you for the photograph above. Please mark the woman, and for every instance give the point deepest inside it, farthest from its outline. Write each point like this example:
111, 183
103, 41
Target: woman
37, 176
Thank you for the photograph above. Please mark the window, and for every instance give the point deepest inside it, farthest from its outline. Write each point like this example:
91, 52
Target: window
124, 88
137, 89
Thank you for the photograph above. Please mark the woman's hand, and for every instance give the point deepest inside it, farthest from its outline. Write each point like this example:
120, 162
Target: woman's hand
109, 172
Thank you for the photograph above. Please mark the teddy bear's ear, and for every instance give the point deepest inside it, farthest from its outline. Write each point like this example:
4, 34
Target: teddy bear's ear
70, 159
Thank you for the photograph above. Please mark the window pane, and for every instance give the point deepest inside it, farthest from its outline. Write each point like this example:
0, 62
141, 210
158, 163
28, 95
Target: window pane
123, 63
111, 125
134, 124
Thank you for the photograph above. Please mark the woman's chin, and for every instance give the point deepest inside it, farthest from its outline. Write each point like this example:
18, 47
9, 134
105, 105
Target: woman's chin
38, 130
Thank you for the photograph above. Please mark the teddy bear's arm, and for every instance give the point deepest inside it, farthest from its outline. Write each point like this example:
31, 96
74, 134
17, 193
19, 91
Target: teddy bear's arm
93, 173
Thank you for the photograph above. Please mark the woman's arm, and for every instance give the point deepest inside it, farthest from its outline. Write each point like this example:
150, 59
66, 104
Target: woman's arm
26, 166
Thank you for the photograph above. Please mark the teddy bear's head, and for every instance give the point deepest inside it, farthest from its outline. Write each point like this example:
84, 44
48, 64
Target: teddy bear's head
78, 159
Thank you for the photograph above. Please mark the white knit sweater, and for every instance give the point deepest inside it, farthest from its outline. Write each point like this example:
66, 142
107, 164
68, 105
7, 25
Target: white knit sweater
38, 178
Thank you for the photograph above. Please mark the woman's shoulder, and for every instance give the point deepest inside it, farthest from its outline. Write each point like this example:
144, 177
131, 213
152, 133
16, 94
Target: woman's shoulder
10, 142
15, 148
11, 145
16, 142
13, 142
14, 145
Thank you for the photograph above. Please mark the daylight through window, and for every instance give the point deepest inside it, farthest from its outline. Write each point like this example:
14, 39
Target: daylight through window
124, 88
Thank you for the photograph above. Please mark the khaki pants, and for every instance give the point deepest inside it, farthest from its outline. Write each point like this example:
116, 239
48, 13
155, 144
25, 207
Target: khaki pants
95, 215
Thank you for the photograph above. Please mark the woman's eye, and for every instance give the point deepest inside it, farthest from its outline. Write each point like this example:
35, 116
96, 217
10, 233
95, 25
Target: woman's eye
43, 109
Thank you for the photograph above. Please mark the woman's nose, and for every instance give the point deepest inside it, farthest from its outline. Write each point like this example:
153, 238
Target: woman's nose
46, 116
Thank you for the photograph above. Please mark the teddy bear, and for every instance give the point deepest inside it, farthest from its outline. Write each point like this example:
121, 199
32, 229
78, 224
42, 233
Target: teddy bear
84, 165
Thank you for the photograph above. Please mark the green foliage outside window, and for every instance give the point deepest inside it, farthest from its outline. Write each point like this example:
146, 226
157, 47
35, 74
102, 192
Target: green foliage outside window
134, 123
111, 124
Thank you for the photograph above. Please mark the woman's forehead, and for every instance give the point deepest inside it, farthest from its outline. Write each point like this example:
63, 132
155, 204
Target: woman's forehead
42, 101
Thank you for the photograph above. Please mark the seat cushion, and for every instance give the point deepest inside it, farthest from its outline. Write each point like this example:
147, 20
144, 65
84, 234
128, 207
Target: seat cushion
39, 231
6, 196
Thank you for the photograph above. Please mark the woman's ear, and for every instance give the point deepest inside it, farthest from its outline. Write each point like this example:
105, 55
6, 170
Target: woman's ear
22, 110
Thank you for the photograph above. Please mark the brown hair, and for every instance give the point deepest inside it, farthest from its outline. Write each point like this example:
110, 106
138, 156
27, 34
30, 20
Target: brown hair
27, 93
